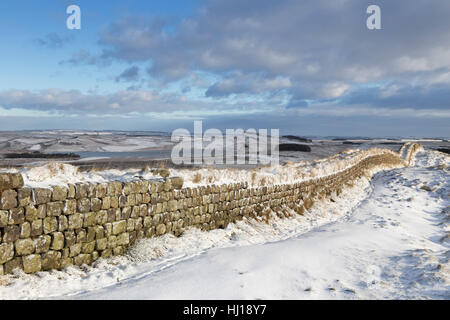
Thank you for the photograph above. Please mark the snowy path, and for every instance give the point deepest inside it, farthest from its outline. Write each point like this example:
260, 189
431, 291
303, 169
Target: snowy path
391, 246
385, 239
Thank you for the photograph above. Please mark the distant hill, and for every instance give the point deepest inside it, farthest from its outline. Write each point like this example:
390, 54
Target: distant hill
294, 147
297, 138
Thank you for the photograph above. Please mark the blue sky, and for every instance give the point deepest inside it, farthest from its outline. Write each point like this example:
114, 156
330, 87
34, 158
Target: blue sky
305, 67
31, 66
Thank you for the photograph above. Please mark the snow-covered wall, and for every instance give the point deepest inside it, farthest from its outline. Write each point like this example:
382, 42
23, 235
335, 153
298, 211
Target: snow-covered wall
52, 228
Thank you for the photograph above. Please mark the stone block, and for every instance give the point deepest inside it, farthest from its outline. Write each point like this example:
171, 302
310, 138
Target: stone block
106, 203
112, 242
63, 223
75, 221
112, 215
82, 259
54, 209
161, 229
123, 239
119, 227
13, 265
101, 190
81, 191
70, 238
90, 235
8, 200
118, 250
42, 195
31, 213
114, 202
37, 228
25, 230
4, 216
99, 232
51, 260
42, 243
57, 241
81, 235
94, 256
75, 250
101, 217
70, 191
11, 233
88, 247
96, 204
101, 244
59, 193
10, 181
70, 207
66, 262
126, 213
91, 189
6, 252
32, 263
24, 247
24, 196
106, 253
83, 205
89, 219
42, 211
50, 225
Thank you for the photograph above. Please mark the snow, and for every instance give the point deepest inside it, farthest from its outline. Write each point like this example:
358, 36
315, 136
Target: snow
60, 141
384, 239
136, 144
54, 173
35, 147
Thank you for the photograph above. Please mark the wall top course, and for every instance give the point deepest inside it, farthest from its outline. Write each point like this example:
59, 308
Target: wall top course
10, 181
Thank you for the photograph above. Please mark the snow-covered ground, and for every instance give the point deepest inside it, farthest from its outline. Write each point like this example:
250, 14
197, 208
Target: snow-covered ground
384, 239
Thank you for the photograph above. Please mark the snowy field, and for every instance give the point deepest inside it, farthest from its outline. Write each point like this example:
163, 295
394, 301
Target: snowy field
384, 239
104, 146
81, 141
58, 173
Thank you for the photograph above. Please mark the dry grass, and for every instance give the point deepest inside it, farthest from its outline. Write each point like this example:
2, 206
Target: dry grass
197, 178
147, 169
262, 182
95, 168
52, 168
253, 177
56, 168
161, 165
4, 282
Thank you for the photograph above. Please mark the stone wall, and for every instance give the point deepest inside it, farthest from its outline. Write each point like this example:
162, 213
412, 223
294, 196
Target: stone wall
44, 229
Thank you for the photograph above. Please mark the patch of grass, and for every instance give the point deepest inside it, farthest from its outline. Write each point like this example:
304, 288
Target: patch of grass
197, 178
253, 177
262, 182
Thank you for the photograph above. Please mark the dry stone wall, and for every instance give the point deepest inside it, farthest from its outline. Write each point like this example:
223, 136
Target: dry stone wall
45, 229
